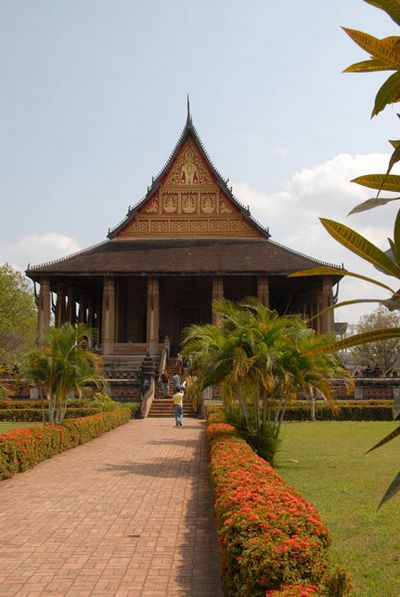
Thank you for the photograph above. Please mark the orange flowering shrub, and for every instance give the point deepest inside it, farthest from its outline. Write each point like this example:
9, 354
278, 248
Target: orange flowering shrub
295, 591
270, 536
24, 448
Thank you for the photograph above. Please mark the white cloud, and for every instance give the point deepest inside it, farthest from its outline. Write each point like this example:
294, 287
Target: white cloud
37, 248
292, 215
281, 152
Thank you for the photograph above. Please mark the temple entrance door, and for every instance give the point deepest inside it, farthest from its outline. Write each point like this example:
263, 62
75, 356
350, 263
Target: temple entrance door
188, 316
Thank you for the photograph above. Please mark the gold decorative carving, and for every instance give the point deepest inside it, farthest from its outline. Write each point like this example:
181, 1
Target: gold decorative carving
152, 207
170, 202
143, 225
189, 168
189, 203
199, 225
179, 225
224, 207
159, 226
219, 225
238, 225
208, 202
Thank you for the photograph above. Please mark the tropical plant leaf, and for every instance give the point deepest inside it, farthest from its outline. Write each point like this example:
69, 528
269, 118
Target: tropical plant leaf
395, 244
394, 158
344, 304
394, 143
368, 66
388, 93
378, 48
326, 271
371, 203
396, 403
391, 7
393, 303
370, 336
356, 243
391, 490
383, 182
385, 440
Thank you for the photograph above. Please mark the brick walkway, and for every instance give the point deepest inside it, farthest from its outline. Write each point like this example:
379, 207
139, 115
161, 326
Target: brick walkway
127, 514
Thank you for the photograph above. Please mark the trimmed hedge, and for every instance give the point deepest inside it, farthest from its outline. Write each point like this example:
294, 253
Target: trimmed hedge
36, 414
347, 410
24, 448
271, 538
24, 404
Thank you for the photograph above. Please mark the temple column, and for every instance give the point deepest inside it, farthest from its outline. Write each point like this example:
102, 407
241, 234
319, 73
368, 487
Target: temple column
82, 309
263, 290
71, 306
108, 316
153, 315
91, 311
44, 309
328, 322
60, 306
217, 292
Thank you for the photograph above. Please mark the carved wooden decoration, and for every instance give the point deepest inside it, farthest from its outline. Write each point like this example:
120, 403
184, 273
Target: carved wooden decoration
189, 203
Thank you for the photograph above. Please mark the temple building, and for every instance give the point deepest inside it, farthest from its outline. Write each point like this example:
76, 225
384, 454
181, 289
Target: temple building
187, 242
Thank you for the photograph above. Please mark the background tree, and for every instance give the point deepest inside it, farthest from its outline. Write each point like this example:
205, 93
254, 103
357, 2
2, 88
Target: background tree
18, 316
384, 354
64, 367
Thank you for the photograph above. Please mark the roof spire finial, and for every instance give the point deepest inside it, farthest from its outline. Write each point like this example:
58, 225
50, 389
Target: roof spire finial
189, 116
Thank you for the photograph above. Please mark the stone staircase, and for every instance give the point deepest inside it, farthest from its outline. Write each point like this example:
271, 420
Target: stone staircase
163, 407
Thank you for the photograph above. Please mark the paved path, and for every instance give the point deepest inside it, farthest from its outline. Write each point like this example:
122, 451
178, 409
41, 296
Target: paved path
128, 514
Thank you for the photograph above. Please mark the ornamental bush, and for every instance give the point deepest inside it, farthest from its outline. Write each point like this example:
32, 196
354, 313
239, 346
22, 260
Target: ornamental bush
24, 448
270, 536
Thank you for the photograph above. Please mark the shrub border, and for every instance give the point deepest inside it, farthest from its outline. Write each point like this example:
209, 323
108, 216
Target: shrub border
22, 449
271, 538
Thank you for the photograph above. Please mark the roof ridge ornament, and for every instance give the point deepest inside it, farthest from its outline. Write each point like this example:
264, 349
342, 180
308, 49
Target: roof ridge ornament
189, 116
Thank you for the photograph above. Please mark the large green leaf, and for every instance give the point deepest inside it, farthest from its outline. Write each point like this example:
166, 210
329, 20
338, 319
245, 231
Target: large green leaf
391, 7
368, 66
389, 93
359, 245
371, 203
382, 49
359, 339
383, 182
388, 438
396, 238
394, 158
344, 304
396, 404
326, 271
391, 490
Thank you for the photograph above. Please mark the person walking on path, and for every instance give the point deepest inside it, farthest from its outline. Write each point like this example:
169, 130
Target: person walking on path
176, 379
177, 400
164, 383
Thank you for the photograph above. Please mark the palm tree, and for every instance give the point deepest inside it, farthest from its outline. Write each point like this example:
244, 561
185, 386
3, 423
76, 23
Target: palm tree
63, 367
261, 361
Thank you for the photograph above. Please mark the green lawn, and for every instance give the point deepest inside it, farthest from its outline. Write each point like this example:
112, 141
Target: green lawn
325, 462
6, 426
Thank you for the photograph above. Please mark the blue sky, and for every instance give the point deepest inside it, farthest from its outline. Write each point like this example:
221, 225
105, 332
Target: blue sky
94, 98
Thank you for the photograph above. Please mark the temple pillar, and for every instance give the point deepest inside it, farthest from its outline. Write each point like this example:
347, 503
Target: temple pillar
153, 315
44, 309
60, 306
263, 290
91, 313
108, 315
328, 322
82, 309
217, 292
71, 306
